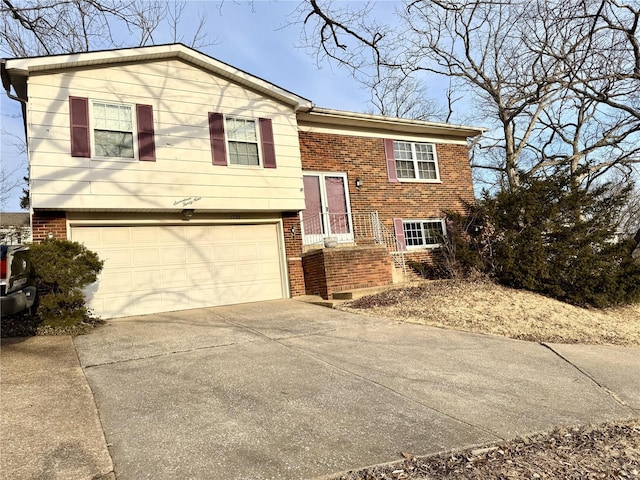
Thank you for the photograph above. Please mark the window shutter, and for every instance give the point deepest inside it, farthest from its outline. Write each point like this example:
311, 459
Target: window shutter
391, 160
216, 135
268, 146
399, 229
79, 114
146, 141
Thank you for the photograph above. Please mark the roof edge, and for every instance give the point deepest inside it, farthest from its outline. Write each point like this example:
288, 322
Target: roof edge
27, 65
328, 116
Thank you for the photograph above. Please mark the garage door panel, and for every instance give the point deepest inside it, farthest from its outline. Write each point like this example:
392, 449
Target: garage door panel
143, 257
173, 255
159, 268
200, 255
144, 236
118, 236
246, 252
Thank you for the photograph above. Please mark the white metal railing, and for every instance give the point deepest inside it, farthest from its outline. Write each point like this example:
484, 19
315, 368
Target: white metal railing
348, 228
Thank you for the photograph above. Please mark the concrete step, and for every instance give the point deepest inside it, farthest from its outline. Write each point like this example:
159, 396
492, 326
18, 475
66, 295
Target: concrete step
363, 292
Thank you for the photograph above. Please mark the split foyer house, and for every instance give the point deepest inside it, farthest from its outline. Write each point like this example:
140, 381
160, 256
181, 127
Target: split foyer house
199, 184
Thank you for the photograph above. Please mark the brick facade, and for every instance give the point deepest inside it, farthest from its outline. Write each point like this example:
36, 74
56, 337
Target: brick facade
364, 158
46, 223
332, 270
293, 249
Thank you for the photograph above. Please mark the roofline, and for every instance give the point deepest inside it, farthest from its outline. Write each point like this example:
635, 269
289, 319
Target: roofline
28, 65
328, 116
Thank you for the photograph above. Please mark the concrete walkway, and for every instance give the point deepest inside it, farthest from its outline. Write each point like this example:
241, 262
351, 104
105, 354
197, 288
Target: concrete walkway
288, 390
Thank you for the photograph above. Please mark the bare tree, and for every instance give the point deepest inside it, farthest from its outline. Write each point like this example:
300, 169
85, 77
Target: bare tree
47, 27
395, 94
557, 80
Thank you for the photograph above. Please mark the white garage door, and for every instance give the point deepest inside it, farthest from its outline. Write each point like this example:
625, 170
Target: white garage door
150, 269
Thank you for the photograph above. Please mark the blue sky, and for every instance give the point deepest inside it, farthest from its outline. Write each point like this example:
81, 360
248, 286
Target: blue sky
255, 38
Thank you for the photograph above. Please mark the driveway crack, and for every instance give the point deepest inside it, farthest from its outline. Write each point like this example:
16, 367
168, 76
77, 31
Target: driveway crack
584, 372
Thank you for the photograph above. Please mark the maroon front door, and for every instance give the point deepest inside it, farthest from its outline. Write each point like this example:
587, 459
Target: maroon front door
326, 212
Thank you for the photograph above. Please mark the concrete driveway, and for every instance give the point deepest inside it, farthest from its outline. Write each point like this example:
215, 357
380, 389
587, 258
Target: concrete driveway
286, 390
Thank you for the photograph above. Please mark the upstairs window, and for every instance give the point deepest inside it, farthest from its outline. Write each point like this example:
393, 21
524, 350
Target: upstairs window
423, 233
113, 130
242, 139
415, 161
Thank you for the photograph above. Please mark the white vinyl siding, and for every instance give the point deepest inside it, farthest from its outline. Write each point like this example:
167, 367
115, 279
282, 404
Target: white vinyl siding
416, 161
181, 96
157, 268
423, 233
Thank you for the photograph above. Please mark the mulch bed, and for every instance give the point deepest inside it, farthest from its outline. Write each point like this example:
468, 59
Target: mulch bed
607, 451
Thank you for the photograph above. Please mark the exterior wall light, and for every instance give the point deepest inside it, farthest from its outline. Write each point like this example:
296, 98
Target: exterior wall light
358, 183
187, 213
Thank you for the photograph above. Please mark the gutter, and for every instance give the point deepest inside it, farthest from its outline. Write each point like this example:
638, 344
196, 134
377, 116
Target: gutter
6, 83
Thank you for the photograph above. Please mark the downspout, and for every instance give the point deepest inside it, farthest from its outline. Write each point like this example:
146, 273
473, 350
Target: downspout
6, 83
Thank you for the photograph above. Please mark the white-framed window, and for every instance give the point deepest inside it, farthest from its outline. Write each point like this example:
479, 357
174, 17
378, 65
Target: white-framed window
416, 161
112, 128
423, 233
242, 141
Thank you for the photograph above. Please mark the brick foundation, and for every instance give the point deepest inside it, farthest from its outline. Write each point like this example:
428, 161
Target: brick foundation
46, 223
331, 270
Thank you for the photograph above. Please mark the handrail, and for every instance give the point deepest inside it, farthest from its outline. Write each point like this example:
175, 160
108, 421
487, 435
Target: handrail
350, 227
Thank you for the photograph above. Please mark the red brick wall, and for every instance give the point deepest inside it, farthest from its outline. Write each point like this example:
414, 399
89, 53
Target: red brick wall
332, 270
45, 223
364, 158
293, 249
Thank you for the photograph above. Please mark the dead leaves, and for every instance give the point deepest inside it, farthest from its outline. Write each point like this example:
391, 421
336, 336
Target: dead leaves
609, 451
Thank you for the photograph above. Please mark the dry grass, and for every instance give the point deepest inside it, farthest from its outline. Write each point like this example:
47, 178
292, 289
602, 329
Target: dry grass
483, 307
607, 451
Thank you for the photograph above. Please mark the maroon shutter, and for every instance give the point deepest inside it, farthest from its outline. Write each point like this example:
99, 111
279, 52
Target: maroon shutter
268, 147
391, 160
79, 114
216, 135
399, 228
146, 141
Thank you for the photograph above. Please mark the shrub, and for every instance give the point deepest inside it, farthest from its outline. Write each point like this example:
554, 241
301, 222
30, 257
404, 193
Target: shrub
62, 269
548, 237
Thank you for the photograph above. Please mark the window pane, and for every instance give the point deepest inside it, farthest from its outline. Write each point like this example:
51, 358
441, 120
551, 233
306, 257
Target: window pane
433, 232
405, 169
427, 170
402, 150
424, 151
413, 234
113, 144
243, 153
242, 130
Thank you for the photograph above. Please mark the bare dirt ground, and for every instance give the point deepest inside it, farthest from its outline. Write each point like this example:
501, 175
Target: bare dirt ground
606, 451
484, 307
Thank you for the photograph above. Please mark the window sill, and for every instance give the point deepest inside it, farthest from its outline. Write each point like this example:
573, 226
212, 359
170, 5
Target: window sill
417, 180
423, 247
245, 167
114, 159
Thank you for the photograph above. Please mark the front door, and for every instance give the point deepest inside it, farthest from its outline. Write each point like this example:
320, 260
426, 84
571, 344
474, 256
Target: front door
327, 212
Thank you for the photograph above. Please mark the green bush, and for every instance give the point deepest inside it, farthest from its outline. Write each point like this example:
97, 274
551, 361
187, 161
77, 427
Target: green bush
550, 238
62, 269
